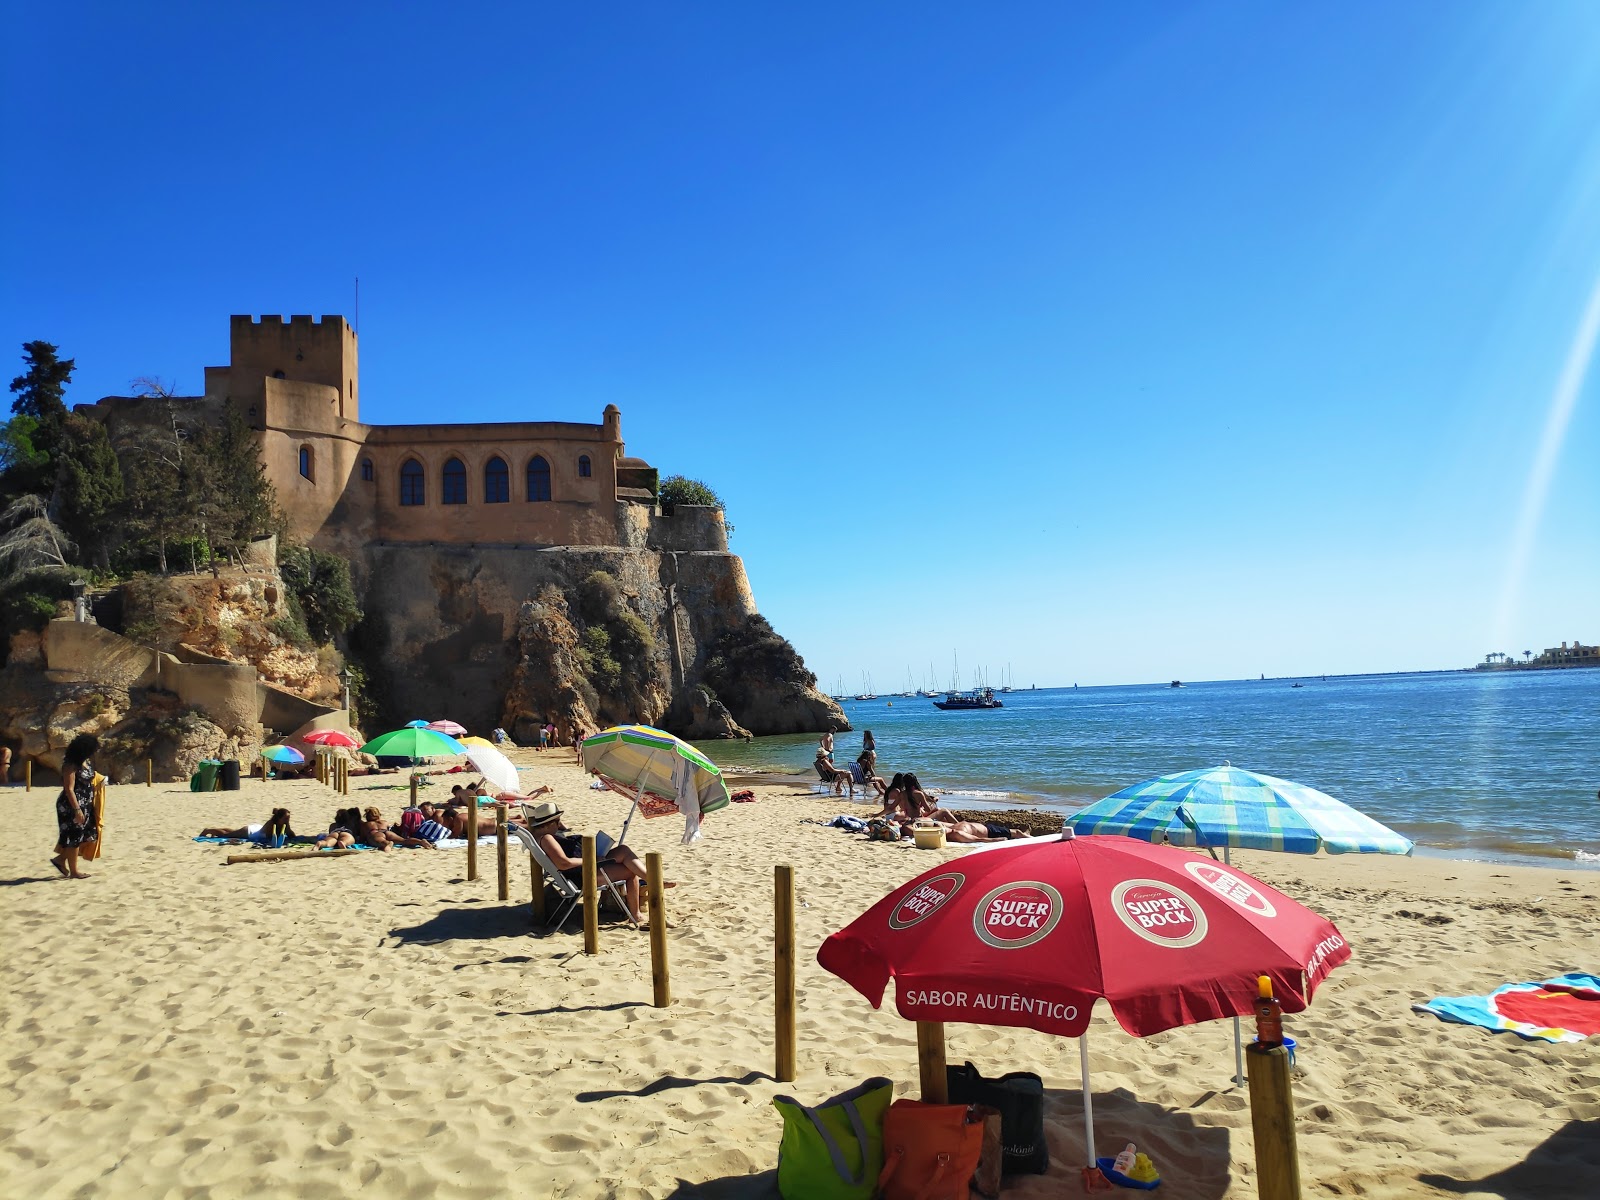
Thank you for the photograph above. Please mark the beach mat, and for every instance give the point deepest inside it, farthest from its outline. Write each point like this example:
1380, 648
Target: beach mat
1563, 1009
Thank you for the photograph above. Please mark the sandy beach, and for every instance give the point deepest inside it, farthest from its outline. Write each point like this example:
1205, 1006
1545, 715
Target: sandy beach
375, 1023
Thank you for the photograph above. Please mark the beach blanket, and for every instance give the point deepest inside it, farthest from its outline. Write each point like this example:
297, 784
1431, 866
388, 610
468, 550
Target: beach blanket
1563, 1009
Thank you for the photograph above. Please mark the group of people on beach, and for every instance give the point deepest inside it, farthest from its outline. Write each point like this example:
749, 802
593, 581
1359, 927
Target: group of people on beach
905, 802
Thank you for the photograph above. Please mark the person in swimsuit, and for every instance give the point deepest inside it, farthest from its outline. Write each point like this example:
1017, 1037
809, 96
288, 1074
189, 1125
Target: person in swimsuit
341, 833
277, 822
980, 831
76, 826
925, 805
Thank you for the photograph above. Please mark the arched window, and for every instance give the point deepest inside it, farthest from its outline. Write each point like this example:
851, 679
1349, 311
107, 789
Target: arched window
413, 483
455, 483
305, 462
583, 466
496, 481
366, 470
538, 478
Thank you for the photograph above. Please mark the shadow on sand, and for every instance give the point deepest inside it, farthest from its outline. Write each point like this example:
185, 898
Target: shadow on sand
1566, 1164
666, 1083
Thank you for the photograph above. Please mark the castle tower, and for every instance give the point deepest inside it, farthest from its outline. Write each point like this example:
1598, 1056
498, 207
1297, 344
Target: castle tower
301, 350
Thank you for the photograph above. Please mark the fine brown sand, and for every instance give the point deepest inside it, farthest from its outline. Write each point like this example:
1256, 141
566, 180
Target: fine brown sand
177, 1027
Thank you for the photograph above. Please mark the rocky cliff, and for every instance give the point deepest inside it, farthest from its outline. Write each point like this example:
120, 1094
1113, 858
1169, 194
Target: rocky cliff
581, 636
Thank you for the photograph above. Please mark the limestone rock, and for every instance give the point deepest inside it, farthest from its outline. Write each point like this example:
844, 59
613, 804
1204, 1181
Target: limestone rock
697, 715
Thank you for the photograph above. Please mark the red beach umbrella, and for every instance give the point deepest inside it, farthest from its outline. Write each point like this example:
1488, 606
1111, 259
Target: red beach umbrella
330, 737
1031, 933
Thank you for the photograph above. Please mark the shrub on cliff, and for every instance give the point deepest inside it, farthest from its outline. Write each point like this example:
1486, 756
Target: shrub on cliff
320, 589
754, 651
679, 489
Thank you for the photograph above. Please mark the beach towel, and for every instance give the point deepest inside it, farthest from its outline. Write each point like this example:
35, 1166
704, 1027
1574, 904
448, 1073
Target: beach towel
1563, 1009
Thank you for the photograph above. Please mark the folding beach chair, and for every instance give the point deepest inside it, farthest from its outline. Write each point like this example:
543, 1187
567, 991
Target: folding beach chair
569, 891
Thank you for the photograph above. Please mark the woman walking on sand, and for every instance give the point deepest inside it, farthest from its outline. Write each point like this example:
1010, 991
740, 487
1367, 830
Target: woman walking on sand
75, 805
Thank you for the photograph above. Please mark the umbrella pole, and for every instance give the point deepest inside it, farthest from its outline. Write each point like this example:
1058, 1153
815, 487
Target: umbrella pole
1238, 1036
628, 820
1088, 1102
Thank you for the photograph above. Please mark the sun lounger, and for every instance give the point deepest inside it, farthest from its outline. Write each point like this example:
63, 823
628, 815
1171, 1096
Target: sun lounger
569, 891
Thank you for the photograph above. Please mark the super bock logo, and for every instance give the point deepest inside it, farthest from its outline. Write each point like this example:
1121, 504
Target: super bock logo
924, 899
1231, 888
1015, 915
1159, 913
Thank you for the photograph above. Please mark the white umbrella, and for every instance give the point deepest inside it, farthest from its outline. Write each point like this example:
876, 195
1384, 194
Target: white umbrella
495, 767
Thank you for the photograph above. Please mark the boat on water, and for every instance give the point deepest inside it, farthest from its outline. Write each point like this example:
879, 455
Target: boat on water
983, 697
1176, 683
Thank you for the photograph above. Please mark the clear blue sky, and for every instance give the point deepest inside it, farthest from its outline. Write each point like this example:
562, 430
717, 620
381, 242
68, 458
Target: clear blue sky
1113, 342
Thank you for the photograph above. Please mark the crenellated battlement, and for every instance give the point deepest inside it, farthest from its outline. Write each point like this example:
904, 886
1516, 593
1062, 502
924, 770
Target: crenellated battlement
297, 321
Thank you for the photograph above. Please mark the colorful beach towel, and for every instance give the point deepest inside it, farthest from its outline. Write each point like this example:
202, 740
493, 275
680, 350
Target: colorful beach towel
1563, 1009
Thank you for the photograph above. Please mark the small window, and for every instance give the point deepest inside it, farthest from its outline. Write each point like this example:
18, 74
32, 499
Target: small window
305, 461
538, 478
413, 484
496, 481
366, 470
455, 483
583, 466
277, 374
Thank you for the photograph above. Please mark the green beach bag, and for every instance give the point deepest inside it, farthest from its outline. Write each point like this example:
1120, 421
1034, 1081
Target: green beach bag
835, 1150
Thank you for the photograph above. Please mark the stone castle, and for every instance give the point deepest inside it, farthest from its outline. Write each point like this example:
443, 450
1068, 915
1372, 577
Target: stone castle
464, 539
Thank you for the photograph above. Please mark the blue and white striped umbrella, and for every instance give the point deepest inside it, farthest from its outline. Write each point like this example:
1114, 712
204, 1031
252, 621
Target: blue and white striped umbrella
1225, 806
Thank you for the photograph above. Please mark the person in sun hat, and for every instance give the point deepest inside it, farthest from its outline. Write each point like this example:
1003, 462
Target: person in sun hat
565, 851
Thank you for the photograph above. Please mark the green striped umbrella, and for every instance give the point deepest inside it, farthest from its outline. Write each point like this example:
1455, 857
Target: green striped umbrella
642, 759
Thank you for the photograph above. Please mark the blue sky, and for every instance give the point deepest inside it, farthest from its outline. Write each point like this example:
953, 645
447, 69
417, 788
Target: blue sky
1110, 342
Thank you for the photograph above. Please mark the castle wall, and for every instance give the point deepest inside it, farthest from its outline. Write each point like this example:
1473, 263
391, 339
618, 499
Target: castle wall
304, 350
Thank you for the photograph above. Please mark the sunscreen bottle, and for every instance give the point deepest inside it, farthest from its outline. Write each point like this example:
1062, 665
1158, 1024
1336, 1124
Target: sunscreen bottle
1269, 1014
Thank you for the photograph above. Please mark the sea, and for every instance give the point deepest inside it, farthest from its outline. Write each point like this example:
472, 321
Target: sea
1497, 765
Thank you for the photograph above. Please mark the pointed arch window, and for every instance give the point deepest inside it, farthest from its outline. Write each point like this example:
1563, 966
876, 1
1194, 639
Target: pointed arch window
538, 478
496, 481
583, 466
305, 462
455, 483
413, 483
366, 470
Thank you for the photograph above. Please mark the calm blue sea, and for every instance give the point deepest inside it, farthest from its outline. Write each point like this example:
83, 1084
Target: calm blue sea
1503, 764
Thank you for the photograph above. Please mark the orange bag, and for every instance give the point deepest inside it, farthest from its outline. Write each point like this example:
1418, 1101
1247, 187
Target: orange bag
930, 1151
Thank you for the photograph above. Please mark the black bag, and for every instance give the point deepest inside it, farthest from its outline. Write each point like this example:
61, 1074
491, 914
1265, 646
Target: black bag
1020, 1098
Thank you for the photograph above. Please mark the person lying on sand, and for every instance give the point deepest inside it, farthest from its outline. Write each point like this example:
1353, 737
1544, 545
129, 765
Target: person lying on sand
278, 822
375, 833
341, 833
980, 831
565, 852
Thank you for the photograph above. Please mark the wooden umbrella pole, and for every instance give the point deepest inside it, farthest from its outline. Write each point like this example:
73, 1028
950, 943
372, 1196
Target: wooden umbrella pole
656, 893
783, 970
471, 828
591, 897
1272, 1118
502, 851
930, 1062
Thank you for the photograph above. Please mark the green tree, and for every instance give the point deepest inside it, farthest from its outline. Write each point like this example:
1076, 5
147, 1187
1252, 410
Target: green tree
237, 501
39, 413
89, 491
321, 587
679, 489
160, 506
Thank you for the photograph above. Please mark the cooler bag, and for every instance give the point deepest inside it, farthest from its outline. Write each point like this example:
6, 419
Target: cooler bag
835, 1150
1020, 1098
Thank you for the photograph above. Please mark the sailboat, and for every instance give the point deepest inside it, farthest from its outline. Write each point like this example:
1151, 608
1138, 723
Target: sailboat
911, 687
928, 690
1005, 680
867, 692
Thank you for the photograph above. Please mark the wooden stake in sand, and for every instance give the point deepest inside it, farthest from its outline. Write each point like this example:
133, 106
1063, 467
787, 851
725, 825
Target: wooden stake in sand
656, 894
149, 773
286, 855
471, 828
536, 878
1272, 1118
783, 972
591, 897
27, 775
413, 789
930, 1062
502, 855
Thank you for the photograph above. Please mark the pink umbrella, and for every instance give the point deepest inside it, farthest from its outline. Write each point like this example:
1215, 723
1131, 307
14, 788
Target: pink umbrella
330, 737
449, 727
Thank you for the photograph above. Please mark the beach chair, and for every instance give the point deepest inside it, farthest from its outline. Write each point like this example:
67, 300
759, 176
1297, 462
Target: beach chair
829, 777
569, 892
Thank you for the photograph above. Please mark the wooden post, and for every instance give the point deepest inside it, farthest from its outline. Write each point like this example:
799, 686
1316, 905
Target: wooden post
286, 855
656, 894
27, 775
783, 969
149, 773
413, 789
502, 851
536, 879
344, 776
591, 897
1272, 1118
930, 1062
472, 834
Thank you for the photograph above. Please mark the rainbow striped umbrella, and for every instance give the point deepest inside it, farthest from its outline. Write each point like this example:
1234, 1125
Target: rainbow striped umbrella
643, 759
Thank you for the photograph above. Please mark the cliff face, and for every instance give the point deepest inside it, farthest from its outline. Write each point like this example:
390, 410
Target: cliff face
581, 636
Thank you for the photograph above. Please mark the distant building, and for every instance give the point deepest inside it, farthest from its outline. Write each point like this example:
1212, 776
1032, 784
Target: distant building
1577, 655
343, 484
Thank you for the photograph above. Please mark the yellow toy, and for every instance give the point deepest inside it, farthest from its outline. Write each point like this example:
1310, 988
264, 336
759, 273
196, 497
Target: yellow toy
1143, 1169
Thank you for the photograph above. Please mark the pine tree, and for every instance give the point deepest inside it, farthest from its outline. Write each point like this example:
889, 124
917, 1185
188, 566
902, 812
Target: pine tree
238, 502
89, 489
32, 438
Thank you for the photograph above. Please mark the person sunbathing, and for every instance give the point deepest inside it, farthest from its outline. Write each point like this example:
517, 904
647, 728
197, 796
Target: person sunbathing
458, 819
926, 806
341, 832
278, 822
376, 833
980, 831
564, 849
